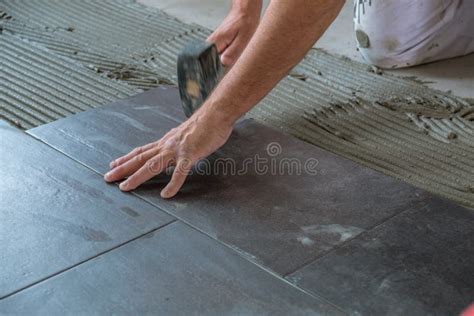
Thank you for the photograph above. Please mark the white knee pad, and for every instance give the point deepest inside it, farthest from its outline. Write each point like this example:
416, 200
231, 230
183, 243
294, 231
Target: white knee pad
403, 33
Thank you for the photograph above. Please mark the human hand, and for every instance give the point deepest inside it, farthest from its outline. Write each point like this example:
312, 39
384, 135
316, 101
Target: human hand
199, 136
236, 30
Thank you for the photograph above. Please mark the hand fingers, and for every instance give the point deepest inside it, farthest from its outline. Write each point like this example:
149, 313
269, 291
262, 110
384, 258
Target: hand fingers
218, 40
177, 179
139, 150
222, 39
233, 52
129, 167
151, 168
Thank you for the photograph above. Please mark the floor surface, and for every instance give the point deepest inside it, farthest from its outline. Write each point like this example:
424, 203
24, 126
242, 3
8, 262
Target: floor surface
239, 238
312, 234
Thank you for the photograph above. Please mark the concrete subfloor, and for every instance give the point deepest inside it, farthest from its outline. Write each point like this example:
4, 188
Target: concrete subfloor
456, 75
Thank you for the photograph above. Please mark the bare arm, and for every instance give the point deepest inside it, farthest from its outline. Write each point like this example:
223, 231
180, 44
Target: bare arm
287, 31
234, 33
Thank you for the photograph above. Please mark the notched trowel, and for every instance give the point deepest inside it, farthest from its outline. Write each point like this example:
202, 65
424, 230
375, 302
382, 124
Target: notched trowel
199, 71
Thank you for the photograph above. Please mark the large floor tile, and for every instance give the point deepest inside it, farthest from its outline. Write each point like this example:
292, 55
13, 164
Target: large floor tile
418, 263
97, 136
173, 271
55, 213
282, 219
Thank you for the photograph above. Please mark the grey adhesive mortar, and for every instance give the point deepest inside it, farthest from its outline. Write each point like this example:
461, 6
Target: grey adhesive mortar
114, 46
39, 87
112, 67
115, 27
395, 125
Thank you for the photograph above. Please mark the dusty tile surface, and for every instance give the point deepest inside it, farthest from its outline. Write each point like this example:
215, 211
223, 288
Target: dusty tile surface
418, 263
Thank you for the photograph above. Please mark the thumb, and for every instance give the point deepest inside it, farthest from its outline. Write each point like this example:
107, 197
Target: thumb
233, 52
222, 39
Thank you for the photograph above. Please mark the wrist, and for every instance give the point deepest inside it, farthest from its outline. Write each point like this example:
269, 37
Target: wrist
216, 113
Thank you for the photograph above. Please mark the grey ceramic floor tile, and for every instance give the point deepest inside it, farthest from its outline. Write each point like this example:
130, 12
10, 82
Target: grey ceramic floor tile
55, 213
418, 263
4, 124
284, 221
174, 271
280, 219
97, 136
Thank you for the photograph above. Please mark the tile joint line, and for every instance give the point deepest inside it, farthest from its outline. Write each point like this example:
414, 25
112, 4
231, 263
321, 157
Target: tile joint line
265, 269
337, 247
86, 260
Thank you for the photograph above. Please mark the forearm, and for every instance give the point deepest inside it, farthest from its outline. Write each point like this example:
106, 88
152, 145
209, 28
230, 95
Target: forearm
287, 31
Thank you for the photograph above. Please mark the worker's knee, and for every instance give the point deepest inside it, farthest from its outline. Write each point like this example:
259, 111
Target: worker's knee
383, 51
369, 51
403, 33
